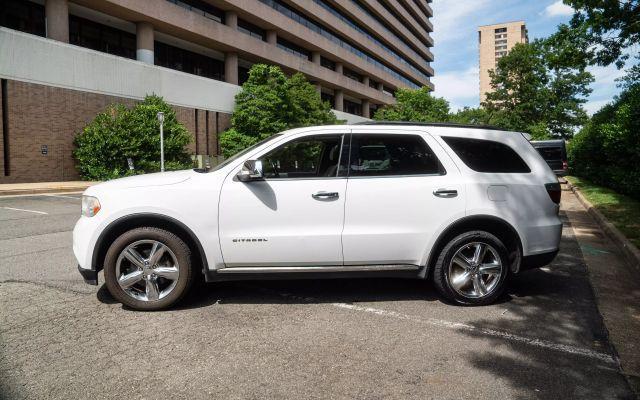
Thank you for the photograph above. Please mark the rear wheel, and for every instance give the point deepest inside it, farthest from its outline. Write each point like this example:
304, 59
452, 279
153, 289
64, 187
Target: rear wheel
148, 268
472, 269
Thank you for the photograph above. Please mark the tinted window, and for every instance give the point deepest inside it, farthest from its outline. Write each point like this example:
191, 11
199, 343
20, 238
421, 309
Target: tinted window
550, 153
379, 155
308, 157
487, 156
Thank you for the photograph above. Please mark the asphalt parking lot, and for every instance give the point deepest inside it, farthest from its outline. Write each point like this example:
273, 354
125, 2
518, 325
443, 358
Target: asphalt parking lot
365, 339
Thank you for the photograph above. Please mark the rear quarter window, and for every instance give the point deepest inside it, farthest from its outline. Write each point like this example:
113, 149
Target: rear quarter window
487, 155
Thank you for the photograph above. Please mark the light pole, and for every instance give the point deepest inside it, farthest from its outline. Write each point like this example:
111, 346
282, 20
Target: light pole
161, 120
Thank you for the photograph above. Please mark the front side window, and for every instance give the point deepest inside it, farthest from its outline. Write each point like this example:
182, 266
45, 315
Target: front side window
384, 155
486, 155
307, 157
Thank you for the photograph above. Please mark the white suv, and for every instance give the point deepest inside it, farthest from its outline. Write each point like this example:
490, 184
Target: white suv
465, 206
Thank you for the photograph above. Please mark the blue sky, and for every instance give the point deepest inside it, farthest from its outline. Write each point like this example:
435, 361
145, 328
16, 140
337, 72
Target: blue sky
456, 45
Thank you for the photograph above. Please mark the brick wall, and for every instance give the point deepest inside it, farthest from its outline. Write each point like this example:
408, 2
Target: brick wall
44, 115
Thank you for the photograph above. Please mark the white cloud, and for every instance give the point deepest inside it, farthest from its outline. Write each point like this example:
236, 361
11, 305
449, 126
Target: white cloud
460, 88
592, 106
450, 16
558, 9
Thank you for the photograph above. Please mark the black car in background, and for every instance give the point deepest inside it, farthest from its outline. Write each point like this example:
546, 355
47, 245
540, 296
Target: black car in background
554, 153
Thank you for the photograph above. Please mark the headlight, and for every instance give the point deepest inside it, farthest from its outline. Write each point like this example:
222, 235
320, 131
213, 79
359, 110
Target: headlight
90, 206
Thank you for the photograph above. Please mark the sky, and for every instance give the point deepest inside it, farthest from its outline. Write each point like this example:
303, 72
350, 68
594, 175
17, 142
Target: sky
456, 45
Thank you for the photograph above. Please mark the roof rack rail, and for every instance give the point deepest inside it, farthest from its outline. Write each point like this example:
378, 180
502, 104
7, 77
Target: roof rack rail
443, 124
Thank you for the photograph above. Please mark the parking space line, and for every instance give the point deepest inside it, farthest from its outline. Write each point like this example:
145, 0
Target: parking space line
540, 343
22, 209
62, 196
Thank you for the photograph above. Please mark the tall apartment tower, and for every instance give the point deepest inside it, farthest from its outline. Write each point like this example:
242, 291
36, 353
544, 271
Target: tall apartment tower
494, 42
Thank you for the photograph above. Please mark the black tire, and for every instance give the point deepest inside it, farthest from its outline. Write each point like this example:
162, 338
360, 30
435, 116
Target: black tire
441, 274
178, 248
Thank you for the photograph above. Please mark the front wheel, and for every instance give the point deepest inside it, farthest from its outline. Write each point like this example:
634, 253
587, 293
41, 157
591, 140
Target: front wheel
472, 269
148, 268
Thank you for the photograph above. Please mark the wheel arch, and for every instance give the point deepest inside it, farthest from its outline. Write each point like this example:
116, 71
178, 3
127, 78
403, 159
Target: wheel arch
128, 222
489, 223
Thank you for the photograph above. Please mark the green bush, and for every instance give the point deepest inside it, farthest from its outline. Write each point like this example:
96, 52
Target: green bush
270, 103
118, 133
607, 150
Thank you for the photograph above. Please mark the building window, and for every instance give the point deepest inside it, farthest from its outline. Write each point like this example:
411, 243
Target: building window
501, 30
501, 41
251, 29
352, 107
187, 61
373, 84
243, 74
96, 36
325, 62
352, 74
202, 8
23, 16
284, 9
504, 47
294, 49
328, 98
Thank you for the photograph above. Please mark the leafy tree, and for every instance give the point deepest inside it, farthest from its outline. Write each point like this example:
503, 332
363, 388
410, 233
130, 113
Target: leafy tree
468, 115
417, 105
270, 103
608, 27
538, 90
118, 133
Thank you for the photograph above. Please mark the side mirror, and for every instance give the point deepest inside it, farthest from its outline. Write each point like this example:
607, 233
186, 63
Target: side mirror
251, 171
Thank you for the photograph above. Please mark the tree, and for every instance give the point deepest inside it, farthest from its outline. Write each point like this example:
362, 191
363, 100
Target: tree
537, 89
269, 103
417, 105
609, 27
119, 133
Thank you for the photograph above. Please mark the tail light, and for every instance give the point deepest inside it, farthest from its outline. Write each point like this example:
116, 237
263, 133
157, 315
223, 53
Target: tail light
565, 165
554, 191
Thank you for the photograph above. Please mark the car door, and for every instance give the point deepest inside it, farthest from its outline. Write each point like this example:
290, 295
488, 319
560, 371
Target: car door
402, 187
294, 217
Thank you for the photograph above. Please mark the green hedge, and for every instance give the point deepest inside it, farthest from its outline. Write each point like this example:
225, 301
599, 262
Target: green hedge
607, 150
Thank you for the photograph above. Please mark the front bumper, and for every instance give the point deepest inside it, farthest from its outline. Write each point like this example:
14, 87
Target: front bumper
90, 276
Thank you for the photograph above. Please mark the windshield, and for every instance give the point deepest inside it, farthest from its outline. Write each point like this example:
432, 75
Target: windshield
243, 152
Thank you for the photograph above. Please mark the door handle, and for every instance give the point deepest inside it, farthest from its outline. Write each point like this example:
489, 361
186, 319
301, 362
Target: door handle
325, 195
446, 193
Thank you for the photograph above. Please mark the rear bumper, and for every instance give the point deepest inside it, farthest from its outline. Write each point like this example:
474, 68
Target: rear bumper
90, 276
537, 260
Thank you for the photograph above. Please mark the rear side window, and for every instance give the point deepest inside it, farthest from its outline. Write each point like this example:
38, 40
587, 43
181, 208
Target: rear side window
385, 155
486, 155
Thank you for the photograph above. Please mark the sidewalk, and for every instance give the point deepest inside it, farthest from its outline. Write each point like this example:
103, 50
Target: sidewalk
615, 282
12, 189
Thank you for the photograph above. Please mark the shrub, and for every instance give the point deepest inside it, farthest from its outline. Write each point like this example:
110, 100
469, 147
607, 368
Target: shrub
118, 133
607, 150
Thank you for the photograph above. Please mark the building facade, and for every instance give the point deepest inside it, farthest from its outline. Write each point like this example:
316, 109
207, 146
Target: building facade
63, 61
494, 42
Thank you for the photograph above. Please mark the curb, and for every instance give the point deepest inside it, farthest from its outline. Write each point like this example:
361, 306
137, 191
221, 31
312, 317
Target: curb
61, 189
628, 249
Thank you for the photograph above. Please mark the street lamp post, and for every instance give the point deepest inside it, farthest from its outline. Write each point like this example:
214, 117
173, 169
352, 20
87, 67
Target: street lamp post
161, 120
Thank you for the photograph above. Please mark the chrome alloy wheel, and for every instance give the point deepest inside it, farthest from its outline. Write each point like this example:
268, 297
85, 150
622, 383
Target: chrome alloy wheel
475, 270
147, 270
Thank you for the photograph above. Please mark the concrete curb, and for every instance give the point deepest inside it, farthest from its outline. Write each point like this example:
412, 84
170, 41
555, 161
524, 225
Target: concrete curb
628, 249
44, 190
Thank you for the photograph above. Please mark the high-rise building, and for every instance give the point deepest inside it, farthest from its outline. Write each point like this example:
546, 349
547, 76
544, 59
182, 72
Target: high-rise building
494, 42
63, 61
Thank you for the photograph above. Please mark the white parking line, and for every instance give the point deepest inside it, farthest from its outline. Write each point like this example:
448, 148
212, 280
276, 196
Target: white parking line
541, 343
62, 196
21, 209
